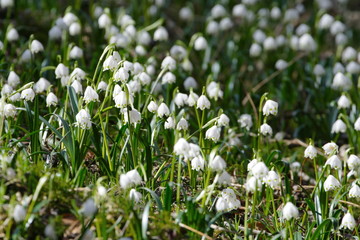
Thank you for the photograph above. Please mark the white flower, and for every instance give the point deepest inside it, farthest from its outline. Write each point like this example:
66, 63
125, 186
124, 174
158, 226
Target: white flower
269, 44
319, 70
272, 180
61, 71
169, 78
135, 115
212, 28
28, 94
197, 163
290, 211
181, 147
260, 170
353, 67
51, 100
76, 53
223, 120
252, 163
169, 123
203, 102
281, 64
55, 33
357, 124
349, 54
182, 124
348, 222
338, 127
343, 102
239, 10
265, 129
307, 43
152, 107
15, 97
6, 90
83, 119
135, 195
178, 52
121, 75
180, 99
104, 21
78, 74
213, 90
341, 82
255, 50
338, 67
186, 14
227, 201
200, 43
36, 46
161, 34
353, 162
192, 99
225, 24
13, 79
50, 232
245, 121
213, 133
89, 208
102, 86
75, 29
331, 183
77, 87
354, 191
217, 164
270, 107
69, 18
326, 21
253, 184
42, 85
9, 110
19, 213
224, 178
144, 78
101, 190
12, 35
129, 179
6, 3
122, 100
110, 63
163, 110
330, 148
334, 162
310, 152
90, 95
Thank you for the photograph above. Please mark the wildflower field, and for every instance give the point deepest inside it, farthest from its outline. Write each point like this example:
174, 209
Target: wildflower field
174, 119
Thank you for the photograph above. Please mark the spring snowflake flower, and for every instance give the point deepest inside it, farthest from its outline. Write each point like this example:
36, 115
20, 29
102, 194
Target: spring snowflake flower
55, 33
13, 79
75, 29
42, 85
76, 53
192, 99
181, 147
135, 196
354, 191
348, 222
110, 63
182, 124
357, 124
77, 87
272, 180
223, 120
28, 94
341, 82
200, 44
259, 170
203, 102
129, 179
281, 64
331, 183
190, 83
88, 208
334, 162
90, 95
152, 107
330, 148
270, 107
51, 100
102, 86
310, 152
134, 114
12, 35
217, 164
343, 102
83, 119
326, 21
269, 44
9, 110
265, 129
290, 211
255, 50
338, 127
169, 123
61, 71
253, 184
213, 133
307, 43
186, 14
213, 90
180, 99
319, 70
197, 163
163, 110
168, 78
224, 178
36, 47
353, 162
122, 99
245, 121
19, 213
161, 34
227, 201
